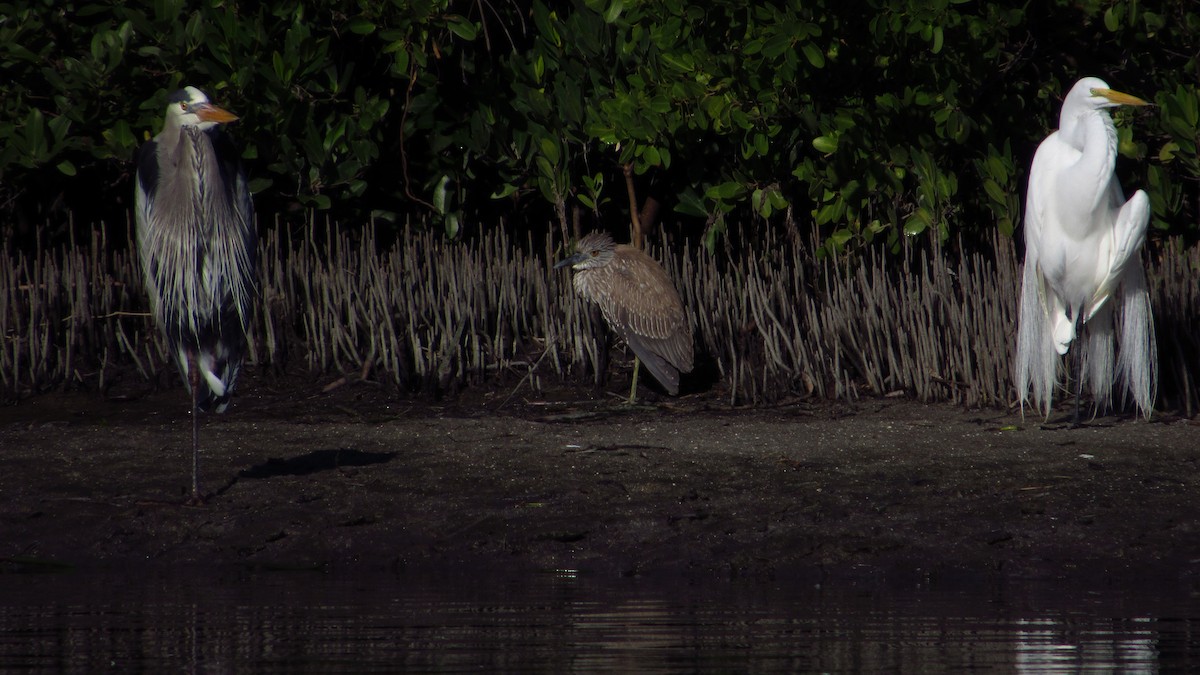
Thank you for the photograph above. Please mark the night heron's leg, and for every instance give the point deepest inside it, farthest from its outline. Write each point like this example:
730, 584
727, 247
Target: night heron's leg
1078, 383
633, 388
194, 382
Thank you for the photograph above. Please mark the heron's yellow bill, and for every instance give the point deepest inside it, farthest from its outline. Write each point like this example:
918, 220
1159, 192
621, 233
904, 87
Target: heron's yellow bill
1120, 98
211, 113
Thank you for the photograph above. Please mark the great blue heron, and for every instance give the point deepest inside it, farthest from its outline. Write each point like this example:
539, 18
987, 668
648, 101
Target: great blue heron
1083, 244
639, 303
196, 239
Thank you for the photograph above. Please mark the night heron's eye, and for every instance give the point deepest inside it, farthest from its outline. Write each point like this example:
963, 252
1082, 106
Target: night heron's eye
595, 252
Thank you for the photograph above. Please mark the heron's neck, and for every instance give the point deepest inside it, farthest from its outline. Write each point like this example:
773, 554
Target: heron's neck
179, 153
1095, 136
172, 145
1092, 133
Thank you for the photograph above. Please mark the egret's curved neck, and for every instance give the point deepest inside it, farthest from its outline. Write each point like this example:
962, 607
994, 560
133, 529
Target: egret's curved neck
1095, 136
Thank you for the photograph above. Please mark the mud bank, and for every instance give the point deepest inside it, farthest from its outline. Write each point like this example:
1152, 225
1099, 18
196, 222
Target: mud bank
579, 482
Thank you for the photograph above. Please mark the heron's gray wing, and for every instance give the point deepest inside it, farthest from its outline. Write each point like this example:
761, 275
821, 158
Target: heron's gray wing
227, 267
146, 163
233, 176
232, 242
146, 185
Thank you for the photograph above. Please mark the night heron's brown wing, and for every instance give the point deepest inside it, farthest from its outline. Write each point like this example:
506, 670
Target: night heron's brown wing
642, 306
649, 352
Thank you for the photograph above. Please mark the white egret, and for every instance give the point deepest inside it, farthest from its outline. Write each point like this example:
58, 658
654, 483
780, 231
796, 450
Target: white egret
1083, 272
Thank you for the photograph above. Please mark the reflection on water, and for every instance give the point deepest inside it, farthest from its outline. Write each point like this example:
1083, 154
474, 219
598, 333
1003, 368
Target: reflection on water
263, 622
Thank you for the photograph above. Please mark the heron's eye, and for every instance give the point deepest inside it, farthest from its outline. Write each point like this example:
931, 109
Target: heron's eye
183, 106
595, 252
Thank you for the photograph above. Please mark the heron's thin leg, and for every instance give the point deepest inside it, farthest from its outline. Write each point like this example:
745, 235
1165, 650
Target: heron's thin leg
633, 387
1078, 359
194, 381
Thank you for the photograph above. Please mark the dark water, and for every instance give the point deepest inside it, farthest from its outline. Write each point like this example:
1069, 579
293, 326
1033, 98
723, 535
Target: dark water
563, 622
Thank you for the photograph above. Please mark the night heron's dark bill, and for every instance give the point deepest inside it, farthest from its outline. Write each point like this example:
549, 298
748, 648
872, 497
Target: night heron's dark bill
577, 258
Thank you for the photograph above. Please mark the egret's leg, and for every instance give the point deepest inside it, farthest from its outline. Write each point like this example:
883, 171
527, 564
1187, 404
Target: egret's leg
633, 387
194, 381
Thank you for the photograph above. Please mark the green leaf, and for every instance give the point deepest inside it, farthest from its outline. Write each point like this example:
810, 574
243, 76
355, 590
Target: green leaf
35, 136
546, 171
825, 144
1111, 21
828, 213
761, 144
815, 56
400, 62
257, 185
462, 28
995, 191
776, 45
550, 149
918, 222
504, 191
714, 232
690, 204
996, 168
452, 225
544, 19
614, 11
361, 26
66, 167
58, 126
1006, 226
439, 194
727, 190
683, 62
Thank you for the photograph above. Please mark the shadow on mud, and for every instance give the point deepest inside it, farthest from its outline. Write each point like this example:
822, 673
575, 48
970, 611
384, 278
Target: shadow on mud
315, 462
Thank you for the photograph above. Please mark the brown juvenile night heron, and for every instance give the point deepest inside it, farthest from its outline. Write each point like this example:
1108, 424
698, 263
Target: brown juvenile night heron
639, 303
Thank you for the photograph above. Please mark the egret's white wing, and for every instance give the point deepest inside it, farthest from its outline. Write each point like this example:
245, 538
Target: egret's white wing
1128, 235
1052, 248
1036, 363
1036, 199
